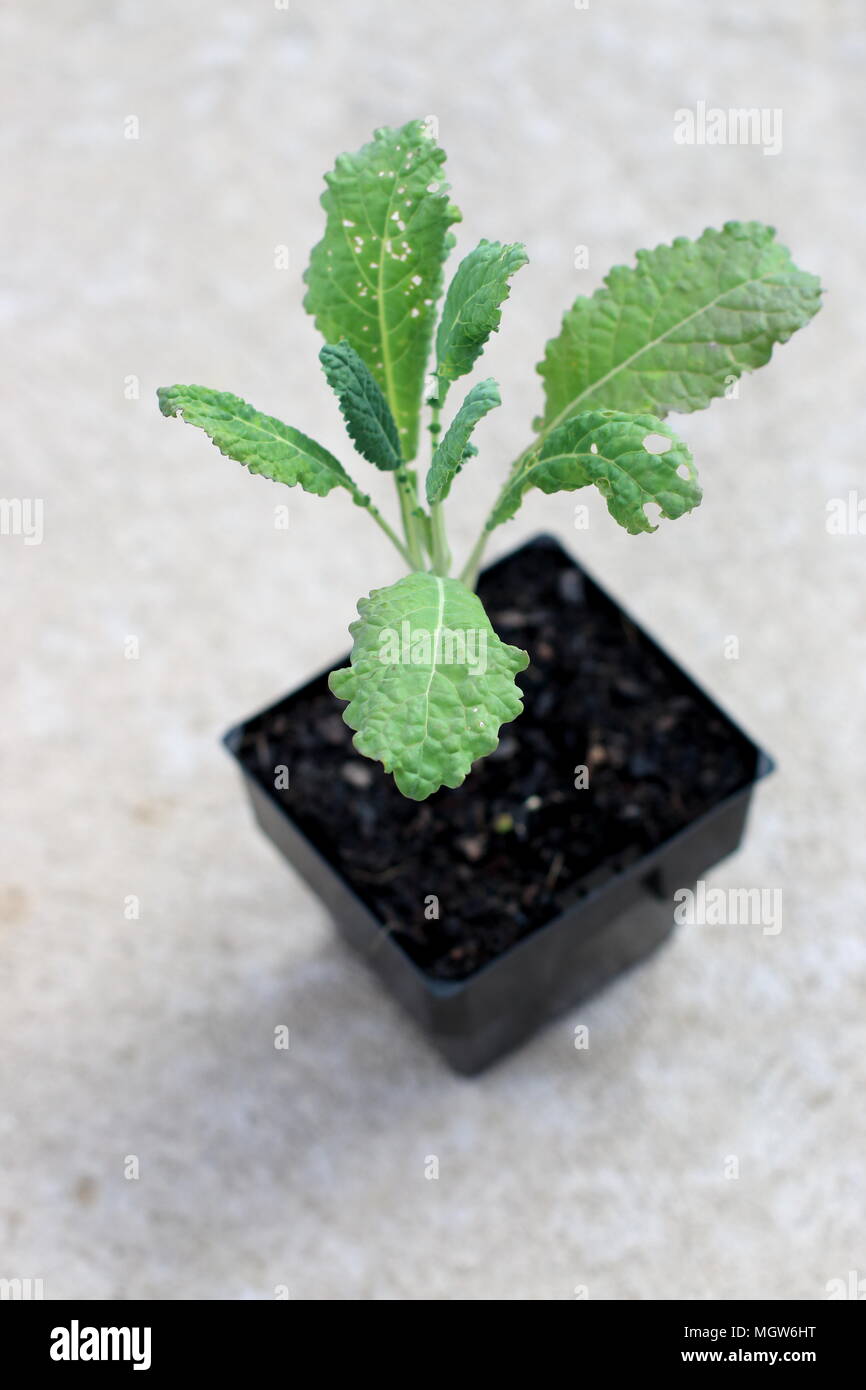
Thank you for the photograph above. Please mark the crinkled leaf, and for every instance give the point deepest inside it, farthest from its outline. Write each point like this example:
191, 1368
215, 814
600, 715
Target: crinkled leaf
454, 446
471, 311
607, 448
260, 442
376, 275
673, 332
430, 682
366, 412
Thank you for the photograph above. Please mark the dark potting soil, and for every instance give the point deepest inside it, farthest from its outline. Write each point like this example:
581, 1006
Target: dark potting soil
518, 842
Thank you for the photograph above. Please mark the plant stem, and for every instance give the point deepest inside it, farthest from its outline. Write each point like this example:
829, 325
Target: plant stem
408, 503
436, 402
441, 553
390, 533
469, 573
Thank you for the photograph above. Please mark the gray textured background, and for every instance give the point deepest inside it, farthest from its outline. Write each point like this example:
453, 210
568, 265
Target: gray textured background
154, 258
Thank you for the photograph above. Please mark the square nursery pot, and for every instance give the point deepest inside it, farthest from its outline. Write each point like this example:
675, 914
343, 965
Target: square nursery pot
490, 909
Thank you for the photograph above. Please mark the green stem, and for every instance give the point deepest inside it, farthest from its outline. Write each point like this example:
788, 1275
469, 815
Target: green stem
390, 533
436, 403
469, 573
441, 553
408, 503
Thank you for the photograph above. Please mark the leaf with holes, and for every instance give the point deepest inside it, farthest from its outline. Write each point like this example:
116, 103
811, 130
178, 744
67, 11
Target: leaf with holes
430, 682
363, 407
612, 450
260, 442
376, 275
471, 311
453, 447
676, 330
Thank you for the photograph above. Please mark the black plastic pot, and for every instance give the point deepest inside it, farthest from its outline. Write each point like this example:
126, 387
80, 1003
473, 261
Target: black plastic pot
475, 1020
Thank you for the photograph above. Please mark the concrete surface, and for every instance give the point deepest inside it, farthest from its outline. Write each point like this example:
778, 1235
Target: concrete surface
146, 1044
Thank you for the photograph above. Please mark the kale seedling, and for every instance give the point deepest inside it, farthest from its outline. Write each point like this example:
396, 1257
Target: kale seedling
430, 683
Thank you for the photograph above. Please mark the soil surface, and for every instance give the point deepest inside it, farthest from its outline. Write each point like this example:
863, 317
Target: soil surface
518, 842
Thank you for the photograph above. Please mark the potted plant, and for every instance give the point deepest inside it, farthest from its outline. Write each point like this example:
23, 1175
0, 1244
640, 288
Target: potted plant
489, 904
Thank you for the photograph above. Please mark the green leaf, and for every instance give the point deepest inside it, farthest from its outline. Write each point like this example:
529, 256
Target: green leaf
674, 332
261, 443
366, 412
376, 275
430, 682
471, 310
607, 448
454, 446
